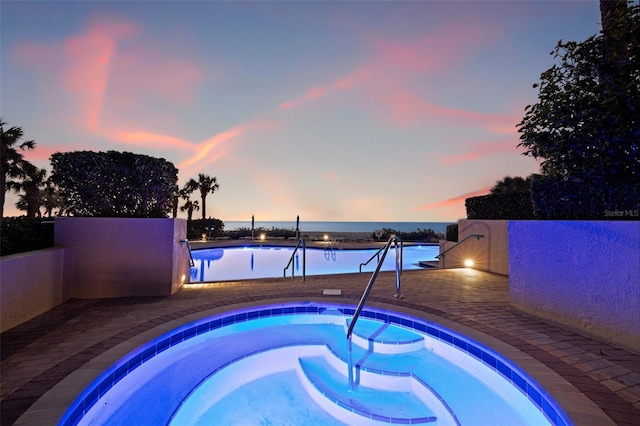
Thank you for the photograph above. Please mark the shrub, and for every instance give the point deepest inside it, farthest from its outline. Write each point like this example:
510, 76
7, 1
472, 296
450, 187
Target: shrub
213, 227
114, 184
516, 205
582, 199
417, 235
21, 234
452, 232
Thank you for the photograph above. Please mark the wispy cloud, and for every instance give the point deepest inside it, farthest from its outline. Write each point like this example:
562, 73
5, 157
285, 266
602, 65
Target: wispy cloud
204, 148
341, 84
88, 58
480, 150
141, 72
100, 75
452, 202
148, 139
395, 64
408, 108
42, 153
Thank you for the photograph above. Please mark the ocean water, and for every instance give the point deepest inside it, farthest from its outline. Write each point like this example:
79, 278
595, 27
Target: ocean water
340, 226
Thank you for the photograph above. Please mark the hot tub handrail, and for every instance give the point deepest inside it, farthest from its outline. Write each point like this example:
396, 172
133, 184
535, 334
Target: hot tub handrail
191, 262
392, 240
304, 260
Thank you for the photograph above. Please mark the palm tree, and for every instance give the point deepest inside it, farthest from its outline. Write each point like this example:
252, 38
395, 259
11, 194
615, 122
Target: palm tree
206, 185
12, 160
508, 185
185, 193
33, 197
52, 199
189, 206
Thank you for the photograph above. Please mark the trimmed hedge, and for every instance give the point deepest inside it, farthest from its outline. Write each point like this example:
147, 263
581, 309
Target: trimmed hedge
114, 184
592, 198
515, 205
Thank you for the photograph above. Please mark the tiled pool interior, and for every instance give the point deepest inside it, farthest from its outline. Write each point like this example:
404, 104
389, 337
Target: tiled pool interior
116, 373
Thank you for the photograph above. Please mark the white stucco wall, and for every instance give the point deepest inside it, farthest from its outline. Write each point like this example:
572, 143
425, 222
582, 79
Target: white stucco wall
582, 274
31, 283
123, 257
489, 253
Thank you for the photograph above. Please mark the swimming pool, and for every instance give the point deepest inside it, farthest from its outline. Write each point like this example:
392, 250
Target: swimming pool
252, 262
286, 364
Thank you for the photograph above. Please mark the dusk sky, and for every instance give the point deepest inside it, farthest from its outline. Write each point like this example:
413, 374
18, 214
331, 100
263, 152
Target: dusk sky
334, 111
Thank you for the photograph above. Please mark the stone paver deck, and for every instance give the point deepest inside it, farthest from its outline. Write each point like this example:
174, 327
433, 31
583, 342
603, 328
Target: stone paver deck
594, 382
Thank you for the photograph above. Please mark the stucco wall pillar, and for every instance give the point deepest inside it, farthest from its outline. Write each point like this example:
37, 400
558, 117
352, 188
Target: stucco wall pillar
123, 257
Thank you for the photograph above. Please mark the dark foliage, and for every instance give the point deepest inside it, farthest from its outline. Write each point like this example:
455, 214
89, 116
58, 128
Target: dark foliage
558, 198
585, 127
114, 184
236, 234
21, 234
516, 205
510, 184
452, 232
428, 235
211, 227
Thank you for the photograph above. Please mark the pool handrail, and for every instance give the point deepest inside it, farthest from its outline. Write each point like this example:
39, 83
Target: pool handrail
478, 236
377, 253
304, 261
392, 240
191, 261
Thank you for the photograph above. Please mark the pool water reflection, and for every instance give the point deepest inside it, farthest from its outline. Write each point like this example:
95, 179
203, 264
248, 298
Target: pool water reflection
242, 263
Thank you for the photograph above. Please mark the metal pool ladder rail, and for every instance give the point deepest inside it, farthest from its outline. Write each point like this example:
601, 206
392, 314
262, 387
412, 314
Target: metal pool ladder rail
377, 254
304, 260
392, 240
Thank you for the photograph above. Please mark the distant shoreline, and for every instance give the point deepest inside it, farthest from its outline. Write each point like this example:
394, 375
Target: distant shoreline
338, 227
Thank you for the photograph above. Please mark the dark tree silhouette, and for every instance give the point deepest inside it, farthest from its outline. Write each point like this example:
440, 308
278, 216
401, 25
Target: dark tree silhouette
12, 159
509, 185
207, 185
32, 187
185, 193
585, 125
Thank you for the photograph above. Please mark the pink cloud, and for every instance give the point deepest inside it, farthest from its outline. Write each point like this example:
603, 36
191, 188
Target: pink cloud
102, 74
407, 108
203, 150
480, 151
140, 73
435, 50
396, 63
88, 59
143, 138
42, 153
341, 84
452, 202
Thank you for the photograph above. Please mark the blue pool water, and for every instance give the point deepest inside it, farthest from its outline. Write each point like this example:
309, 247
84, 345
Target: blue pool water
239, 263
287, 364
